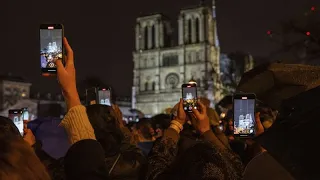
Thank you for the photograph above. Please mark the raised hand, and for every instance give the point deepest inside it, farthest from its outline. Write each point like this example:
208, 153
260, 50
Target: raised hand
259, 127
67, 77
29, 137
201, 123
181, 114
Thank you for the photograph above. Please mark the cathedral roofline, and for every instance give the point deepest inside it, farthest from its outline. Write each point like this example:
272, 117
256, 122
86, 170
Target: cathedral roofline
170, 48
152, 16
194, 8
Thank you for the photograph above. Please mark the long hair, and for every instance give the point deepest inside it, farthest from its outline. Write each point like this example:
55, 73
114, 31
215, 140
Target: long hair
106, 128
18, 161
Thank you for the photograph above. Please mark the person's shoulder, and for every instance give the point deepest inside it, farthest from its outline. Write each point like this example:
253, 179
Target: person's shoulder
264, 166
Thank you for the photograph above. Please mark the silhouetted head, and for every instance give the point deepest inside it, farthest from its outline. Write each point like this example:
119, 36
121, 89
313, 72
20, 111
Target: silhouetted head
145, 129
106, 127
161, 121
7, 127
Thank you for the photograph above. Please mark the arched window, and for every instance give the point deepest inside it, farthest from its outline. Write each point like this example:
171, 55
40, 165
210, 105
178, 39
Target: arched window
153, 36
189, 31
153, 86
197, 30
146, 84
146, 37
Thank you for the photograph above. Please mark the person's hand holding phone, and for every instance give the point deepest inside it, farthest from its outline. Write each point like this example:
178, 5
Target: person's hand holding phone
259, 129
67, 77
201, 122
28, 134
29, 137
181, 114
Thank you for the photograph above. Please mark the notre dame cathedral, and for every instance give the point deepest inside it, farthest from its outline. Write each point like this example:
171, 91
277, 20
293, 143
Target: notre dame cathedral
161, 67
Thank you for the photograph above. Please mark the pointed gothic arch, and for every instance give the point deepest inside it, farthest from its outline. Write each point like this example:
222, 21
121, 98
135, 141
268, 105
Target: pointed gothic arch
145, 38
153, 37
197, 28
189, 31
146, 86
153, 86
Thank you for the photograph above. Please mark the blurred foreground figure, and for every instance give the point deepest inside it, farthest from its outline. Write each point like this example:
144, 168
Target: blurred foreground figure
18, 160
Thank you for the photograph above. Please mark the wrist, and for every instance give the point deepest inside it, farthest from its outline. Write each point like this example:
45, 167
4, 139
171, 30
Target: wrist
72, 98
179, 121
176, 125
204, 130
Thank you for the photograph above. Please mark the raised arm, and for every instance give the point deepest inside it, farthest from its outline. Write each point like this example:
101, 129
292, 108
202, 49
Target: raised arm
76, 121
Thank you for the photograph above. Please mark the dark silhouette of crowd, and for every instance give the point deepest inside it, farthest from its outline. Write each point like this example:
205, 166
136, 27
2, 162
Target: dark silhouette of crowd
184, 146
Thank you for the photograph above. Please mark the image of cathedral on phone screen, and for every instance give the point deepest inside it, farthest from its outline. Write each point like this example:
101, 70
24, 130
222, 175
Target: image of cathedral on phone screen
51, 47
244, 116
104, 97
189, 98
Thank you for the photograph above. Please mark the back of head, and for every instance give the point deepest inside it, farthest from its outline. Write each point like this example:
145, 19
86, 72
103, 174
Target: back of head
144, 127
106, 127
7, 127
161, 121
18, 160
203, 161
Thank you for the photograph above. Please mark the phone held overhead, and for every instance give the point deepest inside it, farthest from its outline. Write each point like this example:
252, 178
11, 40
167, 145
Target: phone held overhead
244, 115
51, 48
189, 96
97, 95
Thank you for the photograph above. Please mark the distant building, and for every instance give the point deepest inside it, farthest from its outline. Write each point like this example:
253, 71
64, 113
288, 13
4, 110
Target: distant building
125, 105
15, 94
13, 89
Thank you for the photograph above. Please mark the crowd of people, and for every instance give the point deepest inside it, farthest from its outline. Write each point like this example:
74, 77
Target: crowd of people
186, 146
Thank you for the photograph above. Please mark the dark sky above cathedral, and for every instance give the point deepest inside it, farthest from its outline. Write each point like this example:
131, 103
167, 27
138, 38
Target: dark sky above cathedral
102, 33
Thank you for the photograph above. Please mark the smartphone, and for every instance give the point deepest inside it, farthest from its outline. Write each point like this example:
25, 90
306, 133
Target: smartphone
51, 47
91, 96
25, 114
189, 96
243, 115
16, 116
104, 96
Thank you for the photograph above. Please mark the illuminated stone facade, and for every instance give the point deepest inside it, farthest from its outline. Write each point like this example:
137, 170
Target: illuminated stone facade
15, 94
12, 91
160, 67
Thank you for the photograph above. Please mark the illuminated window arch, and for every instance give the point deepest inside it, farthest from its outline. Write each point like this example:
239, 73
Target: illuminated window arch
189, 31
197, 30
146, 37
153, 37
146, 86
153, 86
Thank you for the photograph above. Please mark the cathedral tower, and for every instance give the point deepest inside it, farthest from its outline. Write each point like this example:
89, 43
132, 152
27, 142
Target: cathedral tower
161, 68
152, 32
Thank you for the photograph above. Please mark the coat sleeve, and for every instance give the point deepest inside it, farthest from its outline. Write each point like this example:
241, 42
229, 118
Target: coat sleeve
162, 154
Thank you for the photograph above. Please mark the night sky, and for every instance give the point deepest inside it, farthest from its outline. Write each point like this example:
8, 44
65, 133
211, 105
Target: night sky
101, 33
